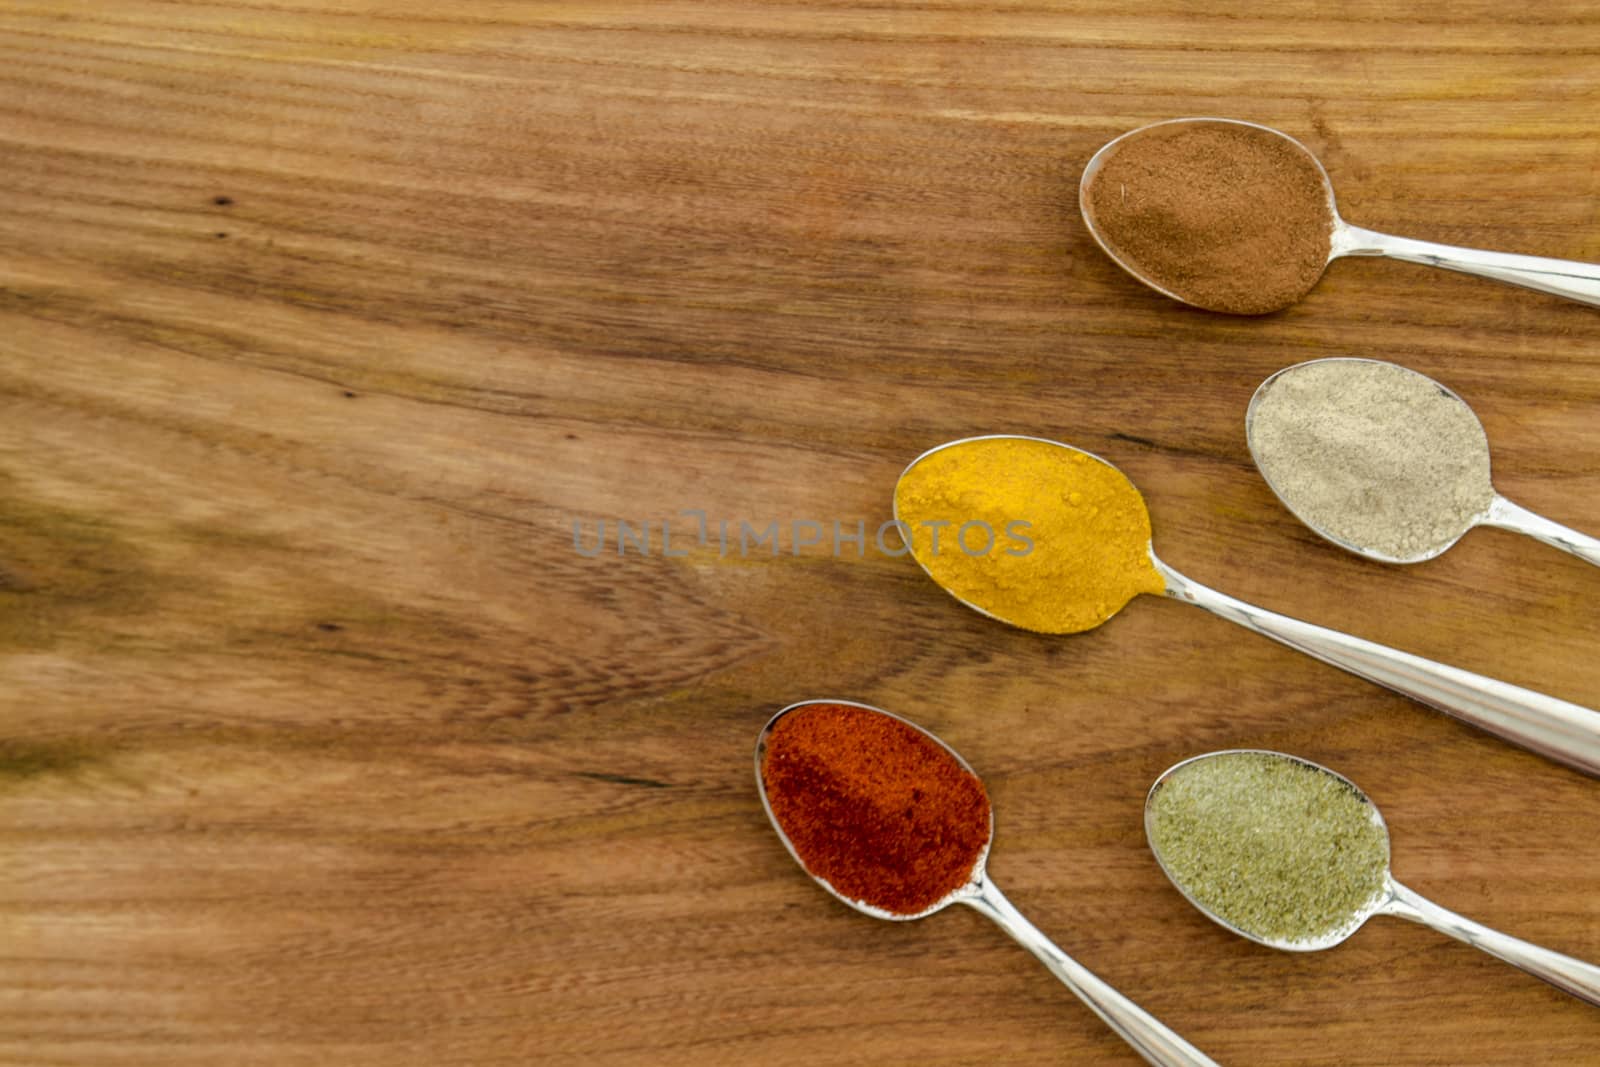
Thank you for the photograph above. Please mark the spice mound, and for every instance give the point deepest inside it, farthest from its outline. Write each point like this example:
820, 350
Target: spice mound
1281, 850
1227, 216
1372, 454
873, 806
1074, 534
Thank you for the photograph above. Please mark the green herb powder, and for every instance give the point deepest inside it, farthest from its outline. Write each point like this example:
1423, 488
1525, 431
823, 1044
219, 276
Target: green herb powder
1278, 849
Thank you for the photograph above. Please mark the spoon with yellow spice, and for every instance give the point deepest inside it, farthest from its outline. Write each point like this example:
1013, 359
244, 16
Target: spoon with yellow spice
1050, 538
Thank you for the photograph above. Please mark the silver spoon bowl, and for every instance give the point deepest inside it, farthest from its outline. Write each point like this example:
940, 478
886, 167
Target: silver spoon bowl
1147, 1034
1560, 277
1571, 975
1498, 511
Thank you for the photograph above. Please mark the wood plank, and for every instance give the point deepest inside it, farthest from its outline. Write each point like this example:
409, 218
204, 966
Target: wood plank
321, 326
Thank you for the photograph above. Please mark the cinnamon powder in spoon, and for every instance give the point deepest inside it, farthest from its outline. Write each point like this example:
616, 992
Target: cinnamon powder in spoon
1226, 216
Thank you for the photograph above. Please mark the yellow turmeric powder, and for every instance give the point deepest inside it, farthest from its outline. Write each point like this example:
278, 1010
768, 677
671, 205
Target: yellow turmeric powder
1083, 553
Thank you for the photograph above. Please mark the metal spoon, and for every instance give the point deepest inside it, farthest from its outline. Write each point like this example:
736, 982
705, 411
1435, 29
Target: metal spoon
1395, 425
1574, 280
1148, 1035
1564, 732
1574, 976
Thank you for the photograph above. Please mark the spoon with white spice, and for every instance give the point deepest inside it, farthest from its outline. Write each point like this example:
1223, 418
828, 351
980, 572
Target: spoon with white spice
1236, 229
1289, 854
1384, 461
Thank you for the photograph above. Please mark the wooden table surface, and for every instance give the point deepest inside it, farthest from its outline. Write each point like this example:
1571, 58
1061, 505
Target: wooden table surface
321, 326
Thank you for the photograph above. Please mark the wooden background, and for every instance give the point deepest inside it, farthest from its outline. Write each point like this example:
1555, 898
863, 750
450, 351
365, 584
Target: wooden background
320, 326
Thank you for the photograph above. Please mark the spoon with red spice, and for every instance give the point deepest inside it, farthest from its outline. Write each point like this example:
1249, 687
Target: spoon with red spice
1240, 218
890, 820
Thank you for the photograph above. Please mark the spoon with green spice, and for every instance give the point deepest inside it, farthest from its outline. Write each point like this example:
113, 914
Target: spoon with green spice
1050, 538
1290, 854
1384, 462
893, 822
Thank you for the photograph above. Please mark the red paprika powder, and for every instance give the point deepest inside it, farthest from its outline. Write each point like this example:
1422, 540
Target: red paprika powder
873, 806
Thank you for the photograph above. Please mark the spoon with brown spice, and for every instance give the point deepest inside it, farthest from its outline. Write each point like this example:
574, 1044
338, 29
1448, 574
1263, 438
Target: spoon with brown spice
1289, 854
891, 821
1236, 217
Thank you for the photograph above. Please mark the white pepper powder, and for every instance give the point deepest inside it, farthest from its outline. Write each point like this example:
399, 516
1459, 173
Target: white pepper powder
1372, 454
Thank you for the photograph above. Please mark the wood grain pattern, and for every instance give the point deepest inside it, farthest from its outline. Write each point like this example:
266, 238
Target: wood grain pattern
320, 325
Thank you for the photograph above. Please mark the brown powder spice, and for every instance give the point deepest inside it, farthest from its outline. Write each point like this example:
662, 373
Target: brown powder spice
873, 806
1227, 216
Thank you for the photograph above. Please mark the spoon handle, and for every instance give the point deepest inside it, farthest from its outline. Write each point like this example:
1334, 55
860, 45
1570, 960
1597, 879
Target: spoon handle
1566, 733
1147, 1034
1508, 516
1574, 976
1562, 277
